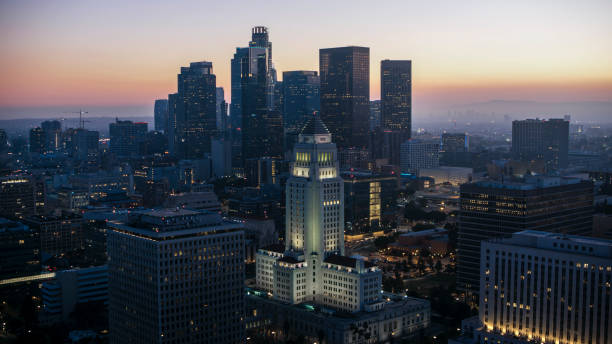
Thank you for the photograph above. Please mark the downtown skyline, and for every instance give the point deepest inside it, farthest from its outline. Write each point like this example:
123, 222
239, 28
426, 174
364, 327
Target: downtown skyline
125, 56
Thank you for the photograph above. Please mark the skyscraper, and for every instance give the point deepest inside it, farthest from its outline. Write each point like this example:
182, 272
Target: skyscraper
345, 94
313, 257
161, 115
546, 140
491, 209
193, 111
37, 140
53, 133
261, 127
539, 287
396, 95
126, 136
176, 276
375, 114
220, 107
300, 98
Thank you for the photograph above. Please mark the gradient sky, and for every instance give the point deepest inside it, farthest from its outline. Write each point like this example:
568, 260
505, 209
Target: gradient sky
127, 53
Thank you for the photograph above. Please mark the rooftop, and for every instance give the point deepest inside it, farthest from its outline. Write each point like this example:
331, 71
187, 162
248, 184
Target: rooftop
346, 261
528, 183
278, 248
574, 244
314, 126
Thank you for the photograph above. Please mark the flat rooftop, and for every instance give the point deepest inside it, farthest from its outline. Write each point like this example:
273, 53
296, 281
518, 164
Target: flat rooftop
574, 244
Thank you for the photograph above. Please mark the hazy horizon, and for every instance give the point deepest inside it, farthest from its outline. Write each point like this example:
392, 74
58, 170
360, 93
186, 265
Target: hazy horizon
115, 58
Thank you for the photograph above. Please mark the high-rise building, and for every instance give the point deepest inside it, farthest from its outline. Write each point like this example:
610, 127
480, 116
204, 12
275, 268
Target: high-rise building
126, 136
85, 144
540, 287
375, 114
18, 196
261, 128
300, 98
313, 258
176, 276
236, 88
370, 201
387, 144
37, 140
545, 140
19, 250
53, 132
491, 209
220, 107
417, 154
58, 234
345, 94
160, 112
192, 111
396, 95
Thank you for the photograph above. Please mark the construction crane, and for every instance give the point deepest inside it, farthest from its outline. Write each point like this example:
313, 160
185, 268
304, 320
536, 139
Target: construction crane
81, 120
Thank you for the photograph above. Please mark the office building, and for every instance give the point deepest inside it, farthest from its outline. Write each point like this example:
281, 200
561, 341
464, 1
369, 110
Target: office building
85, 148
160, 112
19, 250
59, 234
387, 144
540, 287
375, 114
345, 94
396, 95
300, 98
221, 154
261, 124
221, 110
417, 154
126, 137
546, 140
37, 140
176, 276
491, 209
369, 201
192, 111
71, 287
53, 132
19, 196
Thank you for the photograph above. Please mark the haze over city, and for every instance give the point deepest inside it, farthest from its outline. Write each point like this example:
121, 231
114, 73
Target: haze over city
116, 57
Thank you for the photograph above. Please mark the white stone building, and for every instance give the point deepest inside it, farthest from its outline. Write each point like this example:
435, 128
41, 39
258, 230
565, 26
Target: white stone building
312, 266
546, 288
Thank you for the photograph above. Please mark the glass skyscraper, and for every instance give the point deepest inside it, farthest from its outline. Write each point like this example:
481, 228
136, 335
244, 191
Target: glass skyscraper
345, 94
193, 111
300, 97
396, 95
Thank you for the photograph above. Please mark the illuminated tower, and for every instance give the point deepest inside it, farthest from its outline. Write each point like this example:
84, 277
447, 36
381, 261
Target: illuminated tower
315, 195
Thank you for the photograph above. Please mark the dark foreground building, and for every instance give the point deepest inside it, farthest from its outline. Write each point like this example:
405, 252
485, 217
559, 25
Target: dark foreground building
491, 209
176, 276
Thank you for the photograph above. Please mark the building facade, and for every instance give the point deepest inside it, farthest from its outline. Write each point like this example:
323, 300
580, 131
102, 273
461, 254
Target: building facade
396, 95
300, 98
418, 154
546, 288
193, 112
313, 263
126, 137
176, 276
546, 140
345, 94
160, 113
491, 209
